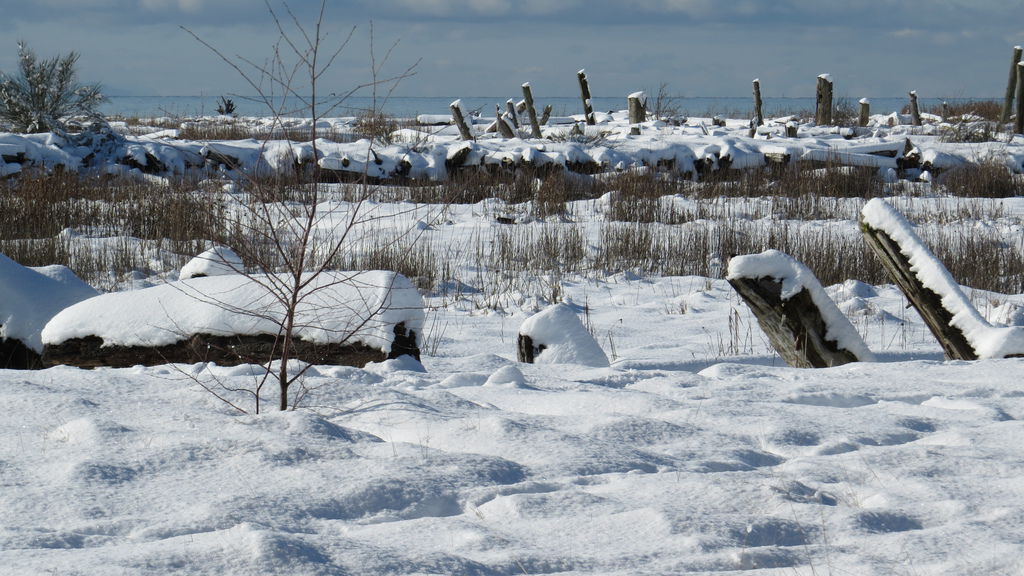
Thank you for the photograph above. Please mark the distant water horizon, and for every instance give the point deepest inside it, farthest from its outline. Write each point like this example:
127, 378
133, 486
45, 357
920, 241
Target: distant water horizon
411, 106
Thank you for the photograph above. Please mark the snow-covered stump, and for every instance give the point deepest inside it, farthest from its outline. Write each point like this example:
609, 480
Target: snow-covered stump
931, 289
1011, 86
29, 298
803, 324
915, 110
636, 103
556, 336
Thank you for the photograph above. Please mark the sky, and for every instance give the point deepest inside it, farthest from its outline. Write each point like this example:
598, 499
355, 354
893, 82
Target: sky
872, 48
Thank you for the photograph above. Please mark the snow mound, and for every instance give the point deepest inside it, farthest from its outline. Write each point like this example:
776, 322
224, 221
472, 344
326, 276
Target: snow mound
216, 261
565, 339
335, 307
29, 298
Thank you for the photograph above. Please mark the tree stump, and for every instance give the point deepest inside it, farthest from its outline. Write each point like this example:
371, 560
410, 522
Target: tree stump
865, 112
823, 101
915, 111
758, 114
460, 120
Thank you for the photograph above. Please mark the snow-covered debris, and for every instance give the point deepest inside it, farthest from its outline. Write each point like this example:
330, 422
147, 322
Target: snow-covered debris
29, 298
796, 277
216, 261
562, 338
988, 341
352, 307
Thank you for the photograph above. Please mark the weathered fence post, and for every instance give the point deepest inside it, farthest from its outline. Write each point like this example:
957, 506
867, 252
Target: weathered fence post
1018, 125
915, 111
510, 108
758, 113
546, 115
502, 126
588, 107
791, 317
1011, 86
460, 120
865, 112
531, 111
636, 112
927, 303
823, 99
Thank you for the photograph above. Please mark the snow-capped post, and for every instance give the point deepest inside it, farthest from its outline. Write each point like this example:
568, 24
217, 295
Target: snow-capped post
501, 124
926, 301
588, 107
823, 101
460, 120
758, 110
635, 102
1011, 86
915, 110
510, 109
531, 111
865, 112
546, 115
1018, 126
803, 324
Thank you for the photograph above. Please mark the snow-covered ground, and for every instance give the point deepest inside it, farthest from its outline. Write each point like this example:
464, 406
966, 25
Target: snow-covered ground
695, 451
676, 459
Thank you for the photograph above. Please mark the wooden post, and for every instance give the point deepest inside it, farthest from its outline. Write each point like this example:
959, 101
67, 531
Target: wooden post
525, 350
915, 111
501, 124
546, 115
865, 112
531, 111
635, 102
460, 120
513, 117
1018, 125
945, 111
823, 99
927, 303
1011, 86
758, 114
588, 107
794, 325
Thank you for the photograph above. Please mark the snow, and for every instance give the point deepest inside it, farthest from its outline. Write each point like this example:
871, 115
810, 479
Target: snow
690, 449
216, 261
795, 277
564, 336
29, 298
988, 341
336, 307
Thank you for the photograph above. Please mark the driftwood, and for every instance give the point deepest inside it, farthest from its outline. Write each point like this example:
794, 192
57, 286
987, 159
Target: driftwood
460, 121
89, 352
927, 303
794, 326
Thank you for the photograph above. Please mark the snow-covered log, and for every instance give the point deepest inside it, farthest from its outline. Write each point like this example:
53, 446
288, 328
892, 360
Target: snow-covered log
803, 324
963, 333
344, 318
